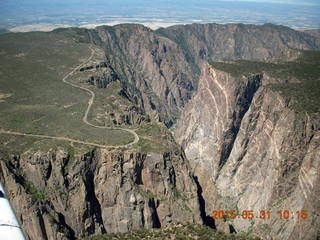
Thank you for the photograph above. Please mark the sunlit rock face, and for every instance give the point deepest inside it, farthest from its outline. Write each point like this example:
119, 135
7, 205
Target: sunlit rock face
160, 69
102, 192
249, 150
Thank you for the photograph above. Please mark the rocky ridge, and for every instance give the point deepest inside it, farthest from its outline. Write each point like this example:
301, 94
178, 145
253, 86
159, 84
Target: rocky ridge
57, 196
159, 70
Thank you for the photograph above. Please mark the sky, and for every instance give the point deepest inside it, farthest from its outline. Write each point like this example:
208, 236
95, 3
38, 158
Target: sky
298, 2
28, 15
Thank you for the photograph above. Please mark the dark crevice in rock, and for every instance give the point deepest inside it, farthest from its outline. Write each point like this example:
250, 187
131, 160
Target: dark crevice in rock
169, 123
20, 179
42, 225
48, 171
154, 215
206, 219
97, 66
57, 220
17, 177
69, 232
131, 93
167, 164
172, 176
64, 173
232, 229
93, 207
243, 103
41, 206
138, 170
143, 221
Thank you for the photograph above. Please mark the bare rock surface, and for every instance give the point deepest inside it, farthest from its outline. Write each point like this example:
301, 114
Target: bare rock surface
159, 70
58, 198
272, 156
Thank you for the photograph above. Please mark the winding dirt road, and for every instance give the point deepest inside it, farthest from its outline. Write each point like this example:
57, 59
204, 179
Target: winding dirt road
84, 119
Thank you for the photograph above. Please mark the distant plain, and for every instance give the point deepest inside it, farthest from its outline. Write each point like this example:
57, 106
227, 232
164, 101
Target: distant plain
30, 15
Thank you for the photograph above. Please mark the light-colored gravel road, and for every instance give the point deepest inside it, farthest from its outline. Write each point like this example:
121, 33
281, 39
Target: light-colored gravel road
84, 119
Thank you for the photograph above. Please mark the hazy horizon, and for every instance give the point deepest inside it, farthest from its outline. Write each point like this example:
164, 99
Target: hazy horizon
29, 15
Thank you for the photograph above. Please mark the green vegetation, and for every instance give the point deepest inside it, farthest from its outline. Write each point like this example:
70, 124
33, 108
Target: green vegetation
299, 79
31, 189
107, 100
15, 145
250, 229
178, 232
20, 143
33, 98
149, 195
154, 137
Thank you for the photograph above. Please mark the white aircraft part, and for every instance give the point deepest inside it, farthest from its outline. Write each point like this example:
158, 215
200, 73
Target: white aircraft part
9, 226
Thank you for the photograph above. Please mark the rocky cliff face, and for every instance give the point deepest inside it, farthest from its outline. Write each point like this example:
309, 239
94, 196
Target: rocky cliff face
257, 152
152, 69
160, 70
217, 109
239, 41
246, 148
275, 164
58, 197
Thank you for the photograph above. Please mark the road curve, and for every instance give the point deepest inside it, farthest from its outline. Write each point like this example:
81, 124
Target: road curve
84, 119
90, 102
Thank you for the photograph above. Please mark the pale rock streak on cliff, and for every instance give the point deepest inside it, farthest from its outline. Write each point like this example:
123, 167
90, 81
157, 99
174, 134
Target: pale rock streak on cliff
273, 157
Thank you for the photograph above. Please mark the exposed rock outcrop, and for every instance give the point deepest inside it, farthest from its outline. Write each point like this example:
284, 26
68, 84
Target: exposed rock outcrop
101, 81
159, 70
98, 66
257, 152
58, 197
152, 69
239, 41
132, 115
103, 76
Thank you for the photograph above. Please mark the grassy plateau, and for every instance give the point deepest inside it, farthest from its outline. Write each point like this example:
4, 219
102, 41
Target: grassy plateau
33, 98
299, 79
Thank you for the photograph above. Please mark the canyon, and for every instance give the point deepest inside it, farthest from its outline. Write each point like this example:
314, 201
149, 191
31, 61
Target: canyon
232, 142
